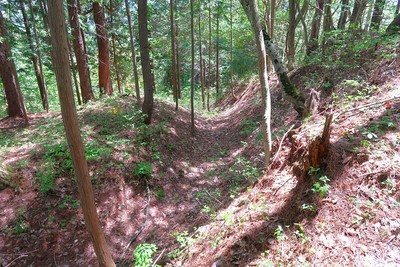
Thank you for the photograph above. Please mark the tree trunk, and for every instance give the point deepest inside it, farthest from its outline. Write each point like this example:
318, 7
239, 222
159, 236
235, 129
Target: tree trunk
377, 14
192, 129
345, 9
356, 15
103, 50
178, 65
231, 51
217, 56
148, 77
251, 10
201, 62
80, 55
209, 56
291, 93
15, 102
34, 57
70, 120
397, 7
394, 26
71, 59
327, 25
133, 51
114, 49
173, 58
290, 40
315, 26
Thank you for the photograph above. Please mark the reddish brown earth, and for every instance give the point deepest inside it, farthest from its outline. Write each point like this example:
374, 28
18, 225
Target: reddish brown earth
355, 224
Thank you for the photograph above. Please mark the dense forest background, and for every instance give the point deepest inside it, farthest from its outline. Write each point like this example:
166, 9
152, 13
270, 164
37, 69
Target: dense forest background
199, 133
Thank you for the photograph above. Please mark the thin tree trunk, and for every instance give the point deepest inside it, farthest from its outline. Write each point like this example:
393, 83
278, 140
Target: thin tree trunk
356, 15
209, 55
80, 54
397, 7
148, 77
133, 51
178, 64
345, 10
71, 126
327, 24
201, 61
290, 40
315, 26
231, 51
71, 59
34, 57
173, 58
116, 69
8, 73
103, 45
377, 14
251, 10
217, 56
192, 129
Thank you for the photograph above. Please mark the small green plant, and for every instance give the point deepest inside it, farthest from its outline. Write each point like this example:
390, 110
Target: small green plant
248, 127
279, 233
21, 226
143, 254
321, 186
300, 233
159, 192
308, 207
143, 169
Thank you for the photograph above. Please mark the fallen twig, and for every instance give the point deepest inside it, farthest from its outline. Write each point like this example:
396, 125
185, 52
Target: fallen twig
145, 220
159, 256
368, 105
280, 145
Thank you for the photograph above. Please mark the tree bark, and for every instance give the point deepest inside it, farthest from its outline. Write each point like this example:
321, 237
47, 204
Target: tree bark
103, 50
345, 9
192, 128
15, 102
114, 49
173, 57
34, 57
315, 26
356, 15
71, 59
147, 71
290, 40
217, 56
231, 51
291, 93
209, 56
377, 14
133, 52
80, 54
201, 61
68, 112
394, 26
251, 10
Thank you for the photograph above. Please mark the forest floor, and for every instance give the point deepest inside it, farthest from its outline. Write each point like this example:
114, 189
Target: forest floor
207, 200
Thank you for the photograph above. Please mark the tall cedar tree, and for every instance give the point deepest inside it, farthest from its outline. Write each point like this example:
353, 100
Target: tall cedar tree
344, 11
147, 71
201, 60
377, 14
103, 49
70, 120
192, 129
315, 26
15, 103
251, 10
173, 57
133, 52
35, 58
80, 54
114, 49
217, 55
